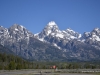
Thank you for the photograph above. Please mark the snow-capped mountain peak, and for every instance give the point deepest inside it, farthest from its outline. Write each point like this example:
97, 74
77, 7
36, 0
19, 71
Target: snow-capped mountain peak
17, 27
92, 36
51, 23
52, 34
70, 30
96, 29
51, 26
70, 44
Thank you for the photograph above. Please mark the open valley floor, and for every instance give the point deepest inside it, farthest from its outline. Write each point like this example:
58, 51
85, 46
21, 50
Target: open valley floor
47, 72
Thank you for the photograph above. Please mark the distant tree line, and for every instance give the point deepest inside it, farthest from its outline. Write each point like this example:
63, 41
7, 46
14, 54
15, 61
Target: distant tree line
11, 62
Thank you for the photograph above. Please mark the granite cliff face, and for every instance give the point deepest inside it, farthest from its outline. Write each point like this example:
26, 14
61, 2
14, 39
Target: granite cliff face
23, 43
51, 43
73, 44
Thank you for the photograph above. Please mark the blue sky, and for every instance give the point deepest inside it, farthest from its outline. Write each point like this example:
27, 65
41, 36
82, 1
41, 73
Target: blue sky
79, 15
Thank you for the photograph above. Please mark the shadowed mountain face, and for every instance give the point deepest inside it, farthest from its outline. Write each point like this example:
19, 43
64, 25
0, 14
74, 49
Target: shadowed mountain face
22, 42
51, 43
5, 50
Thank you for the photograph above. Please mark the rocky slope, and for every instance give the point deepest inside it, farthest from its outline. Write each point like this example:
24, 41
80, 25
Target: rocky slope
22, 42
75, 45
51, 43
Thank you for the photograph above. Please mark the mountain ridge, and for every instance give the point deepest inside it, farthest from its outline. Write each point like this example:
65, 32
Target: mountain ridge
51, 43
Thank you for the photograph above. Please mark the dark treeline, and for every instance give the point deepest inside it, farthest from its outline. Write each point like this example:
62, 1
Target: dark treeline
11, 62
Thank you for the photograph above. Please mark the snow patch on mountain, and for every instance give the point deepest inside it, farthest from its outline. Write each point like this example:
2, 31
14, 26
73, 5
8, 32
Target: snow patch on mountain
51, 23
96, 29
41, 39
56, 45
79, 36
95, 37
60, 35
70, 43
52, 32
69, 30
16, 29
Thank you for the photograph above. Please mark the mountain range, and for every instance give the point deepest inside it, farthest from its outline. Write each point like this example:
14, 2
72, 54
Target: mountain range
51, 44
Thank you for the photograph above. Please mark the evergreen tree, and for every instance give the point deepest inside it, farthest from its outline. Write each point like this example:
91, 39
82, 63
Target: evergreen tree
12, 65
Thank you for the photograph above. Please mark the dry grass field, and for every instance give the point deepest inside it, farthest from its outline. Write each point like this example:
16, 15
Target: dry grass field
40, 72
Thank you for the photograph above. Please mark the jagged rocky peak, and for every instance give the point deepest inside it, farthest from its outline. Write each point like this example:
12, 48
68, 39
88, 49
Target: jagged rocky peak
17, 27
1, 27
94, 35
3, 31
86, 34
96, 29
51, 27
69, 29
71, 32
19, 32
52, 23
23, 43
